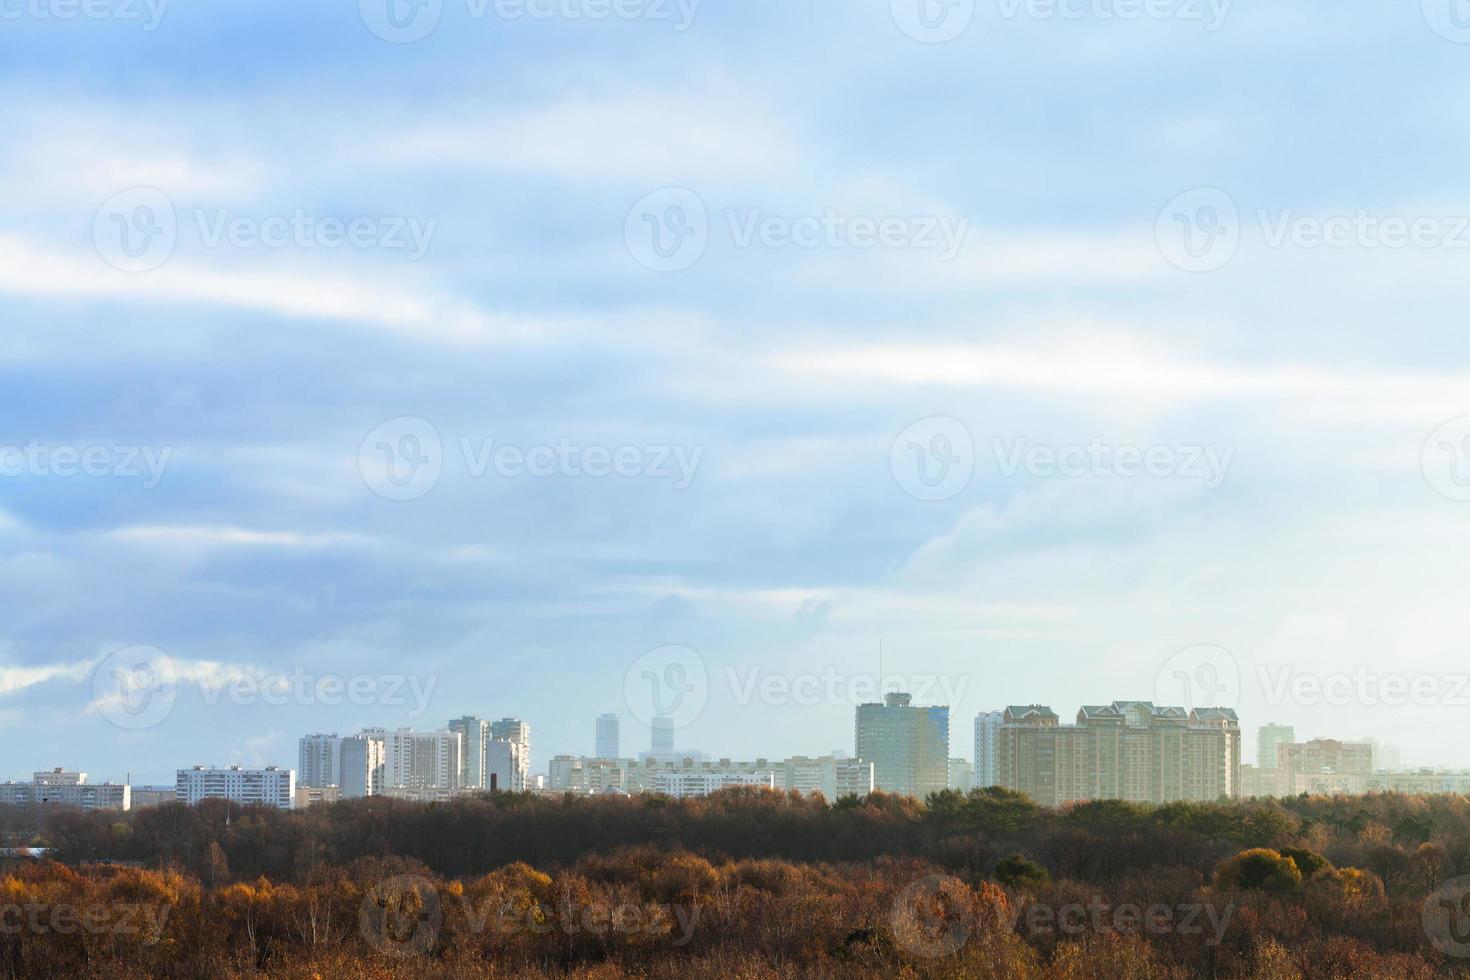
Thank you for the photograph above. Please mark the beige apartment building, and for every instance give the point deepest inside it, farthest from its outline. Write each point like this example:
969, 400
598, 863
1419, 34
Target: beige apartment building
1127, 750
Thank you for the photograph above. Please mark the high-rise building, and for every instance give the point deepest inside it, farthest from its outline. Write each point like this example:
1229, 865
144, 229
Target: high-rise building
662, 746
987, 736
319, 760
419, 760
361, 765
607, 737
1268, 739
505, 766
474, 733
519, 732
1127, 750
908, 745
252, 787
961, 775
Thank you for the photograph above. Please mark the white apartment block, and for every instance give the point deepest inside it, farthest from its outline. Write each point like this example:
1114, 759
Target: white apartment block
683, 783
419, 760
319, 760
831, 776
474, 734
987, 742
519, 733
251, 787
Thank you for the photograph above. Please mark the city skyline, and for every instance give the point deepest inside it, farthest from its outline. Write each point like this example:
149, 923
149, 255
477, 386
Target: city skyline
980, 378
315, 755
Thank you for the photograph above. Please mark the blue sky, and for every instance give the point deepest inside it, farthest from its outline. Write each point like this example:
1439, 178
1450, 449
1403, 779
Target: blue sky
795, 381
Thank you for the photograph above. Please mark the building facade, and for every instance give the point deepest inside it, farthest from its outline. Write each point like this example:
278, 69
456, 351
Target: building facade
608, 742
961, 775
251, 787
1324, 766
474, 733
1268, 739
1128, 750
419, 760
518, 733
908, 745
66, 787
987, 741
361, 765
319, 760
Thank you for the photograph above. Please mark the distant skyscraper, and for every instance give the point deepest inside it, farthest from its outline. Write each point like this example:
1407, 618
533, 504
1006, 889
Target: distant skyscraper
362, 766
519, 732
961, 775
319, 761
607, 736
474, 733
505, 766
908, 745
987, 739
420, 760
663, 736
1268, 737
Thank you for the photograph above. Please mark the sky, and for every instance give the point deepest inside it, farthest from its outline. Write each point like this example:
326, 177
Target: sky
370, 365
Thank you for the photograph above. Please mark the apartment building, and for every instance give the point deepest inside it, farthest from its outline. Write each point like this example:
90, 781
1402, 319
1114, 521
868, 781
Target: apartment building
419, 760
1324, 766
987, 738
251, 787
66, 787
1127, 750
